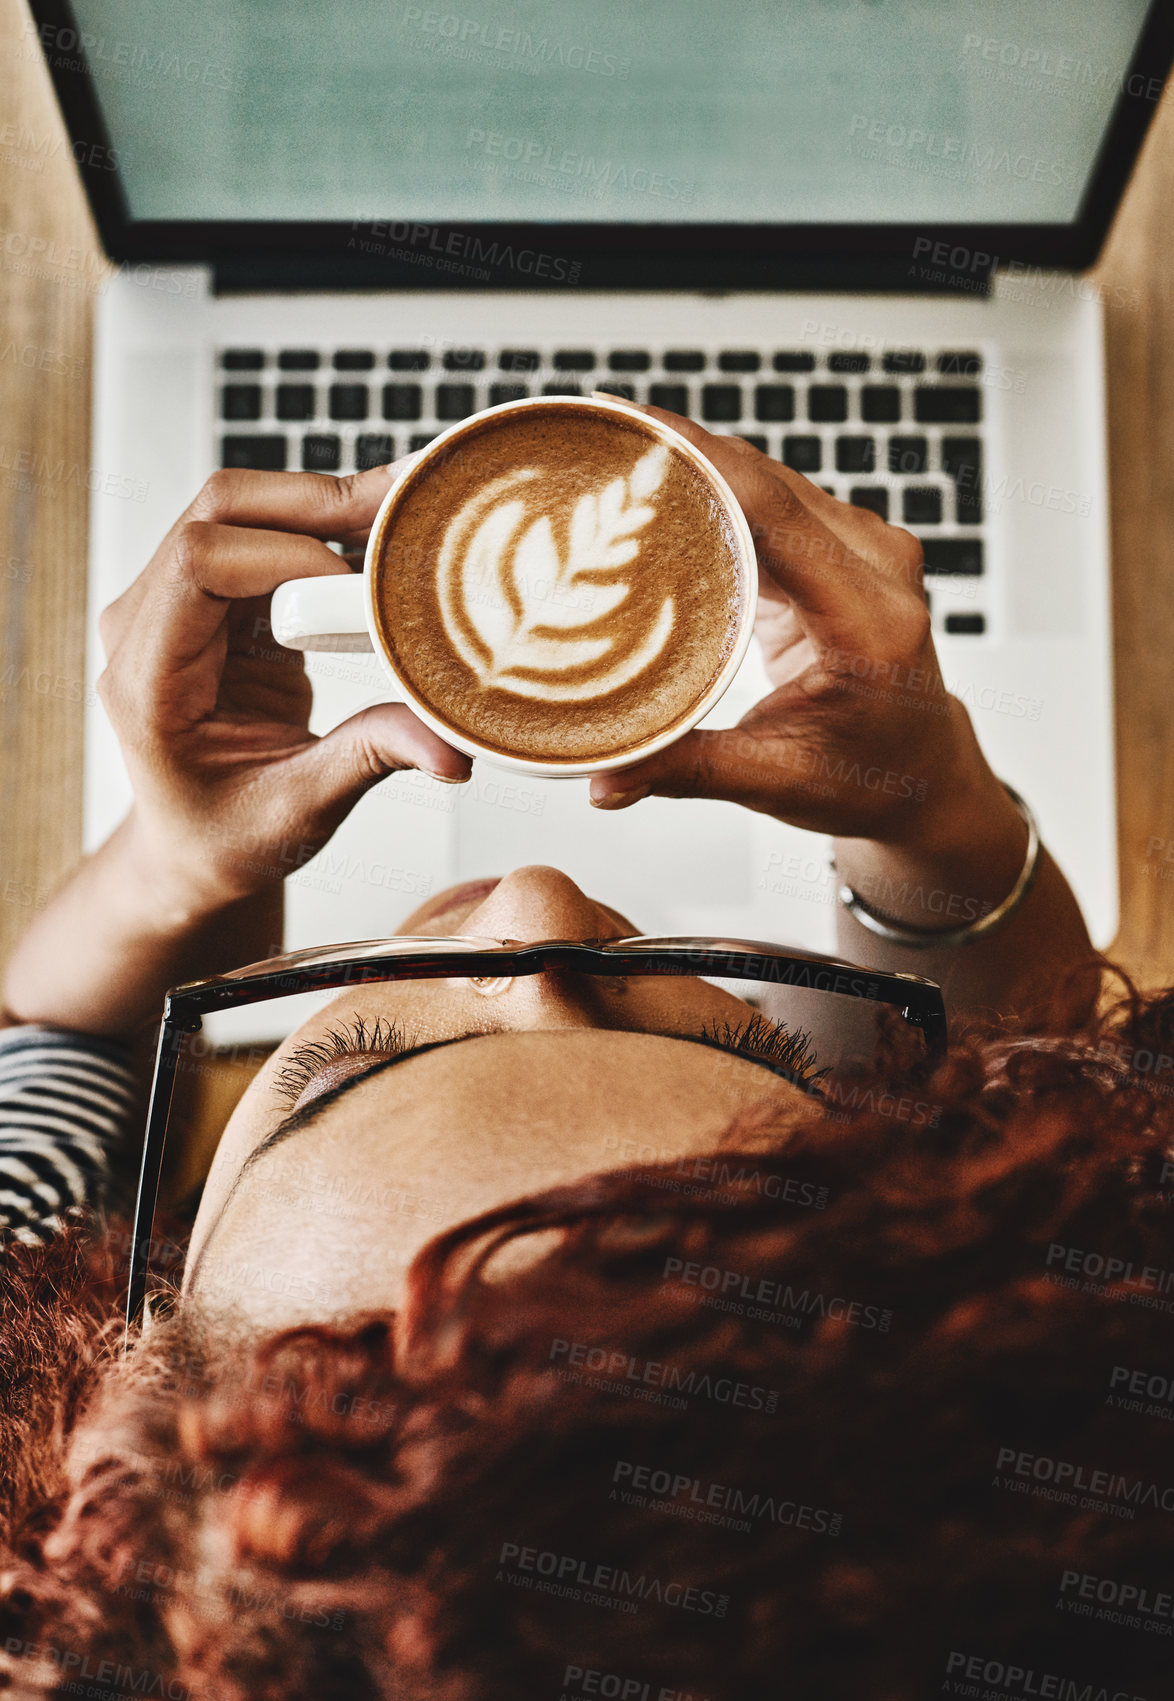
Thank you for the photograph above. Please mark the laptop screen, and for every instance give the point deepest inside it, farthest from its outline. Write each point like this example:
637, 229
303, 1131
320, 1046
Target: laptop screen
759, 112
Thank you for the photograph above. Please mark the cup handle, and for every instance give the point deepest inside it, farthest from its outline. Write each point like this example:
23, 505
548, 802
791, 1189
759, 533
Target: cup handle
321, 614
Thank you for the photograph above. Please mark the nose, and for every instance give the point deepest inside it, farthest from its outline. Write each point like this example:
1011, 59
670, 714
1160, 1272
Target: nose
540, 903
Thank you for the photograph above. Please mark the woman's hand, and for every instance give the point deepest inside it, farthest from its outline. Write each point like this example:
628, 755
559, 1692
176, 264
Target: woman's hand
232, 792
859, 737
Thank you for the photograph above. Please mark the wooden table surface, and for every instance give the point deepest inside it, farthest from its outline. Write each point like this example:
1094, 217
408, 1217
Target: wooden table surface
47, 296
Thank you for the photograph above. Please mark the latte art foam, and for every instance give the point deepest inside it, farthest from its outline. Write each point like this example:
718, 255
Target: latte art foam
560, 584
516, 607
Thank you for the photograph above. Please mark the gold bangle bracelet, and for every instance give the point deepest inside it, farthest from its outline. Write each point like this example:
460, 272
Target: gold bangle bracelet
927, 939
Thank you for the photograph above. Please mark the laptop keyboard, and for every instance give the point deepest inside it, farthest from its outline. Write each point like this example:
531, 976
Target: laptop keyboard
900, 434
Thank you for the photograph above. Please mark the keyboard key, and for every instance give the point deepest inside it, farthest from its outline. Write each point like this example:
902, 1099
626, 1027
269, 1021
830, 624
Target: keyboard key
849, 362
558, 389
947, 404
353, 360
793, 360
855, 454
418, 440
321, 454
959, 453
519, 360
373, 449
921, 505
299, 360
803, 454
626, 392
968, 503
455, 401
348, 401
874, 498
962, 459
880, 404
954, 557
967, 365
295, 401
968, 625
402, 401
573, 360
904, 360
266, 454
684, 360
774, 403
463, 360
499, 393
629, 360
721, 404
827, 404
908, 455
739, 360
240, 401
754, 440
242, 360
674, 397
408, 360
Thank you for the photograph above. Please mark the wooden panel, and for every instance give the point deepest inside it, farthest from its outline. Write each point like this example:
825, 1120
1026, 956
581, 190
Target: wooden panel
1137, 275
50, 270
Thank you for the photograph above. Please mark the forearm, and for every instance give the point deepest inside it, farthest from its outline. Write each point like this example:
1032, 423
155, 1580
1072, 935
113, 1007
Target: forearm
1037, 964
118, 934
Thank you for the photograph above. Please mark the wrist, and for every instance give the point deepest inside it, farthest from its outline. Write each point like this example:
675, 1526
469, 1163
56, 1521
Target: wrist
958, 859
125, 927
167, 897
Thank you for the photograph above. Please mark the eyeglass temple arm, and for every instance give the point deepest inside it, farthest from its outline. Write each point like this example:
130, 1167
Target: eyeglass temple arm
930, 1017
175, 1027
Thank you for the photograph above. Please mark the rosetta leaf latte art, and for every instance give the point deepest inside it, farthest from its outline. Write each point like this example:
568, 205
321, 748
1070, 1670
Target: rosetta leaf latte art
512, 602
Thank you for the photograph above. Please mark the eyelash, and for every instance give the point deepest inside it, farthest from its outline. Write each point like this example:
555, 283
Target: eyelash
383, 1036
789, 1051
758, 1038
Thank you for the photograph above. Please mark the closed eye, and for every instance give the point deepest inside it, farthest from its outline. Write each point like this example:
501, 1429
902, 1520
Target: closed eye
786, 1052
384, 1037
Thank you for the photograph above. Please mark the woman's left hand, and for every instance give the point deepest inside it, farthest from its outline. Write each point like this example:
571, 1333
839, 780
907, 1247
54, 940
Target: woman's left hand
232, 791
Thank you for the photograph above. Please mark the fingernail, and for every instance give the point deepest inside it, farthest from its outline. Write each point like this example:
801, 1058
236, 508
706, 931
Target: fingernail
448, 779
607, 396
619, 799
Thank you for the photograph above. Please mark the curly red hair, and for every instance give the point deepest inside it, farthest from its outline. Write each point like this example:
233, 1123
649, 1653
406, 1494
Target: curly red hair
840, 1434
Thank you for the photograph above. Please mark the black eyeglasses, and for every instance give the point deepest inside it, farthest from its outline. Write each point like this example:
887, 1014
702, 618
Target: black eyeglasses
919, 1003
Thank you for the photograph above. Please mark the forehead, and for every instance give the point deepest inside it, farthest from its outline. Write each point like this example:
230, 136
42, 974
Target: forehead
337, 1211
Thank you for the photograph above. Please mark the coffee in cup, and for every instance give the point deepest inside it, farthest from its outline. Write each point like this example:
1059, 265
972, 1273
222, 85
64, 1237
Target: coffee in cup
560, 584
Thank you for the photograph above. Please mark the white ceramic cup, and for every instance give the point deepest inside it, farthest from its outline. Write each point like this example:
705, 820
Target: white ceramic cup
338, 612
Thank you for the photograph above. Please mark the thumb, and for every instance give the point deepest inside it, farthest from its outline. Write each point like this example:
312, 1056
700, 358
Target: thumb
379, 740
735, 766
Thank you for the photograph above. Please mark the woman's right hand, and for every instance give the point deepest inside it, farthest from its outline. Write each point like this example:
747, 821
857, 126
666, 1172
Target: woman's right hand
859, 737
861, 740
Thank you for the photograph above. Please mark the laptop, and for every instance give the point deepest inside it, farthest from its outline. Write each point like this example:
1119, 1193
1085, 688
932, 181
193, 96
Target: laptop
854, 234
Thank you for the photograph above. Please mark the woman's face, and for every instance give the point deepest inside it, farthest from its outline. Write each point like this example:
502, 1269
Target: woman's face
348, 1153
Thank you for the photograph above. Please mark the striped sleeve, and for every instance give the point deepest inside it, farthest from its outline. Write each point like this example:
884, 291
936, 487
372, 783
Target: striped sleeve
66, 1100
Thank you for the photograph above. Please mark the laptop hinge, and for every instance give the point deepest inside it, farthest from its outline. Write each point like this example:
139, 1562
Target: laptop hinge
417, 268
